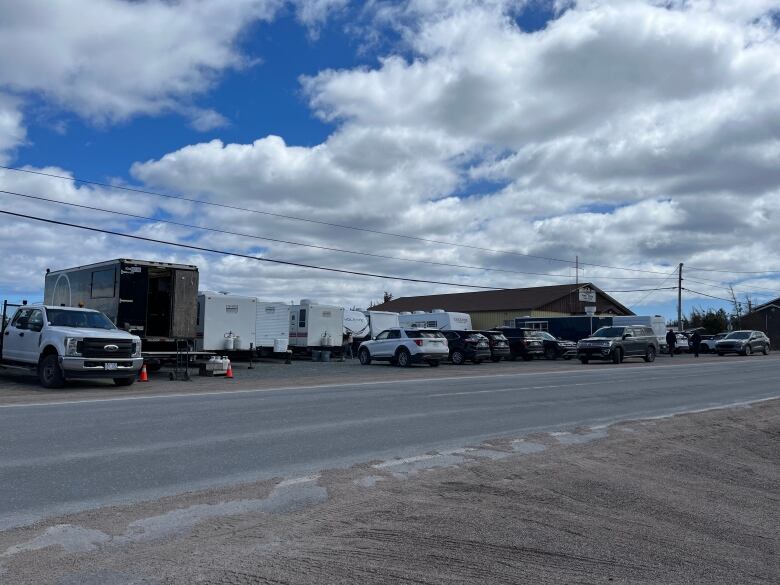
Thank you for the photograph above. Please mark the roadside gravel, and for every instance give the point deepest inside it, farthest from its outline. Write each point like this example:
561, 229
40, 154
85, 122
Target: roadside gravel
688, 499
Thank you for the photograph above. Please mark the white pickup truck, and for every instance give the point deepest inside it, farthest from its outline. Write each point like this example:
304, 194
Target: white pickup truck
63, 343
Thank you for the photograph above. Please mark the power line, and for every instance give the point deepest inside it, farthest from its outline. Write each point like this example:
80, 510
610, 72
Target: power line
642, 289
746, 288
710, 296
293, 243
315, 221
735, 271
642, 300
239, 255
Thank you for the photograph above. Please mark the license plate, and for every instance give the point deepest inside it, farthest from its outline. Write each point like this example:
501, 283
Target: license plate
110, 366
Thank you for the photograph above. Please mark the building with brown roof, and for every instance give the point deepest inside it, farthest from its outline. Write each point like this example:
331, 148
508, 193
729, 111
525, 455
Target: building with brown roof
498, 307
765, 318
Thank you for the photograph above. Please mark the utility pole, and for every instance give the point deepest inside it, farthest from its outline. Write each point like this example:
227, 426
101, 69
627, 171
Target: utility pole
577, 270
679, 297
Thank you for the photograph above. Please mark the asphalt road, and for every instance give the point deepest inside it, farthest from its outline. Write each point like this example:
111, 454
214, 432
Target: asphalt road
70, 456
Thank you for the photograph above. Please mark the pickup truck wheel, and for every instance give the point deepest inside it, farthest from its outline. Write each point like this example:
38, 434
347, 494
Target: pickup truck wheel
364, 357
49, 372
124, 381
457, 358
403, 358
650, 354
617, 356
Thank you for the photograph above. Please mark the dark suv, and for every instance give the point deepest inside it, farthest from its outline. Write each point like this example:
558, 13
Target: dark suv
467, 345
554, 347
499, 345
522, 343
618, 343
744, 342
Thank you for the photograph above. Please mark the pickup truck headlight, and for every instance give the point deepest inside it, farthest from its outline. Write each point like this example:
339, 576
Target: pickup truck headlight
137, 349
72, 346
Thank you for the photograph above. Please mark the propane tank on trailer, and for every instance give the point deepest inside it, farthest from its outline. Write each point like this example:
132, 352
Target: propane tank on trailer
230, 341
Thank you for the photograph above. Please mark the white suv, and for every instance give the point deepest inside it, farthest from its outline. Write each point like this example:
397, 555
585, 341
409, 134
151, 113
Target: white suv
405, 347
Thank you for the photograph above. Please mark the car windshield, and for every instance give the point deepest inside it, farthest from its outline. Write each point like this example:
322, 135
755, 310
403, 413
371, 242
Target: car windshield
417, 334
86, 319
738, 335
542, 335
609, 332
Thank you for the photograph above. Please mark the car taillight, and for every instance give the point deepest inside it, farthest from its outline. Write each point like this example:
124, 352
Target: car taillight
418, 342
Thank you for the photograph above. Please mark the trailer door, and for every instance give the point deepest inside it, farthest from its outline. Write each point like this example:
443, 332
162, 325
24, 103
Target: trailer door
184, 304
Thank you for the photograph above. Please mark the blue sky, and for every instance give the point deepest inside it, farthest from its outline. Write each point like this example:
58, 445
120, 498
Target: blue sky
494, 124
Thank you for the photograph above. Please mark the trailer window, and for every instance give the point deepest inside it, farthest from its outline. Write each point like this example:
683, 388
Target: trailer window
302, 318
103, 284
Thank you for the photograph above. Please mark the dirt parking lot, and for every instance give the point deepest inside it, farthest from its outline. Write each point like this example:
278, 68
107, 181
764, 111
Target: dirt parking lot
24, 388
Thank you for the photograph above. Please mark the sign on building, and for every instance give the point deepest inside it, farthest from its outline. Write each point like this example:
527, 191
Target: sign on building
587, 295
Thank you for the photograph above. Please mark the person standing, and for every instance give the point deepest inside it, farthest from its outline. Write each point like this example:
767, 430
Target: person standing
696, 342
671, 341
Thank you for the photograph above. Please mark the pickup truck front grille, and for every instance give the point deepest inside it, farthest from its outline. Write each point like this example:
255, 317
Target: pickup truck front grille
96, 348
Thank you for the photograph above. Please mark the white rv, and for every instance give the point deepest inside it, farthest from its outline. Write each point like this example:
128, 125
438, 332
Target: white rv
314, 326
225, 323
378, 321
436, 319
272, 327
366, 324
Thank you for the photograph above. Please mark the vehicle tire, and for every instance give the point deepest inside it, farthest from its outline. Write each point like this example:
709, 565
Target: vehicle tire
550, 353
457, 358
434, 363
617, 356
476, 362
747, 351
124, 381
495, 359
153, 366
364, 357
403, 358
765, 351
650, 354
584, 360
49, 372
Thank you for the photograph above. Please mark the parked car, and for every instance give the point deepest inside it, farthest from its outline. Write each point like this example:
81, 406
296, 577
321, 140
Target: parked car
708, 342
405, 347
467, 345
522, 343
743, 342
499, 345
618, 343
63, 343
554, 347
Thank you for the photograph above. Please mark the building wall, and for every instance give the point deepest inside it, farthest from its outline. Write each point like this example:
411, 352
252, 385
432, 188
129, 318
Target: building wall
571, 305
766, 321
489, 319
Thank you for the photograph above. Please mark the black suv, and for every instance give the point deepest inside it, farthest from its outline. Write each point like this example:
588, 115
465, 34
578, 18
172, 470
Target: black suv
522, 343
499, 345
467, 345
555, 347
618, 343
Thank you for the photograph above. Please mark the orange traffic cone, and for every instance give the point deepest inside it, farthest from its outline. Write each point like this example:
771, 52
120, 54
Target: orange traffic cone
143, 377
229, 373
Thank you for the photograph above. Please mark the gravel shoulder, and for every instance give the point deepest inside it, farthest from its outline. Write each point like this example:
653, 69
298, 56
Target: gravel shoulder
687, 499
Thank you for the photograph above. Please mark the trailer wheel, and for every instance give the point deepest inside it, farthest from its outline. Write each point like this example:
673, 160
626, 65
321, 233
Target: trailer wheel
49, 372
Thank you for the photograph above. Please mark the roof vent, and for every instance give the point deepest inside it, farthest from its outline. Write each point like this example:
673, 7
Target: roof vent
404, 313
438, 311
418, 312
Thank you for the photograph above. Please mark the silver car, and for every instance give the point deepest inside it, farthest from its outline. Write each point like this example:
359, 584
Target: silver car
405, 346
743, 342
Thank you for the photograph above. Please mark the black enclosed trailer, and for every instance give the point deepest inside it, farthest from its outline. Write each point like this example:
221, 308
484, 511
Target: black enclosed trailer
155, 300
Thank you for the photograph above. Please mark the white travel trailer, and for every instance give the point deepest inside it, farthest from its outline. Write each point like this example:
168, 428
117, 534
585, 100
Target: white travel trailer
378, 321
225, 322
436, 319
656, 322
314, 326
366, 324
272, 327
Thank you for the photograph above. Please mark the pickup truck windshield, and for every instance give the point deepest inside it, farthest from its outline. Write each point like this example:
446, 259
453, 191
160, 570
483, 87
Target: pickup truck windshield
83, 319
